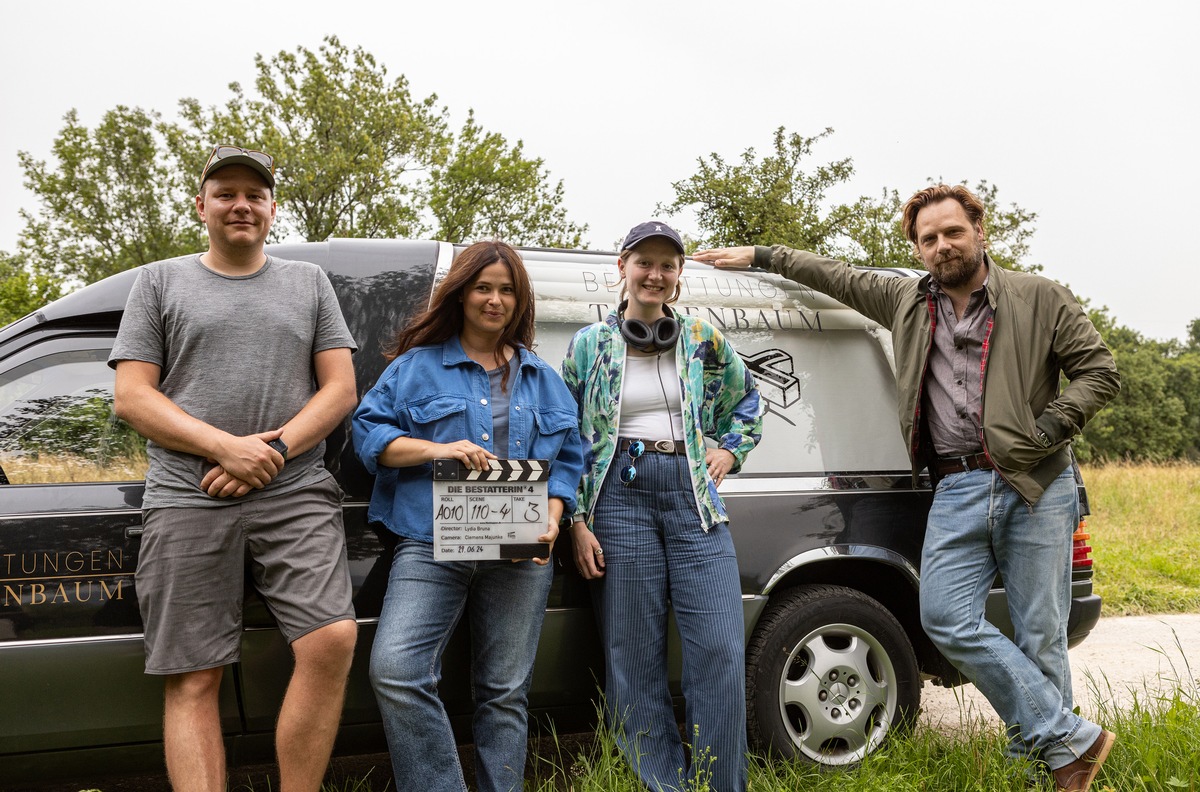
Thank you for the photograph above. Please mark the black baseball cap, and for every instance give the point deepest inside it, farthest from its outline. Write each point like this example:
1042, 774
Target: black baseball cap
651, 228
257, 161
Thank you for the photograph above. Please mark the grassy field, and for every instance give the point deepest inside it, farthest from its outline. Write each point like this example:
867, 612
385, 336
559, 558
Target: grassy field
1155, 751
1145, 527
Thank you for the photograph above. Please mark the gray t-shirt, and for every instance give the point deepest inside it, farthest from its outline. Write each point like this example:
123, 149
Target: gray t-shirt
500, 401
236, 352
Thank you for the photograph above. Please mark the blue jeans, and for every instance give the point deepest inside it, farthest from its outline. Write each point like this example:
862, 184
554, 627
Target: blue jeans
505, 604
979, 526
658, 556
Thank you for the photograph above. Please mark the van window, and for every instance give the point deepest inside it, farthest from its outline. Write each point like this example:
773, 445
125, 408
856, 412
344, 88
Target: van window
57, 422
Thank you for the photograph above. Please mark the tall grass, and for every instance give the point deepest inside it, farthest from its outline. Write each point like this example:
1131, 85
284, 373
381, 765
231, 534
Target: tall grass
71, 468
1155, 751
1158, 732
1145, 527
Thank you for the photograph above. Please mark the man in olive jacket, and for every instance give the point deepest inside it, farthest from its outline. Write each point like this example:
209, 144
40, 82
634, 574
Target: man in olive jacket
979, 351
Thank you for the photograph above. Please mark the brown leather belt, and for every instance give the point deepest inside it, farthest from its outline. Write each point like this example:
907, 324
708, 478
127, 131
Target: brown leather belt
960, 464
656, 446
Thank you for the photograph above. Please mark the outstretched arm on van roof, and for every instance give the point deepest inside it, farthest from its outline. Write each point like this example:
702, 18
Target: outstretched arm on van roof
139, 402
726, 258
862, 289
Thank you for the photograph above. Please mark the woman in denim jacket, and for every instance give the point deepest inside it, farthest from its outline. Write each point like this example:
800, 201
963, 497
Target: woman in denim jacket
651, 385
462, 385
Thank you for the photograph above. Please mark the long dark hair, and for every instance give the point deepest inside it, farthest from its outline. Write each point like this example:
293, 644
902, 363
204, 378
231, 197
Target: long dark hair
443, 319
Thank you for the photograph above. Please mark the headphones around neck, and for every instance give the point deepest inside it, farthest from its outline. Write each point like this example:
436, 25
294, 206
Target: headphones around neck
657, 337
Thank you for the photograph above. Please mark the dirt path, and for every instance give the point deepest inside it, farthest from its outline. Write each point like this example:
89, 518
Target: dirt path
1123, 653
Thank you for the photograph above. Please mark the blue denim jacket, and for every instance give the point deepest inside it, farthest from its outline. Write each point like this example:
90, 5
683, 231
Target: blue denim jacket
439, 394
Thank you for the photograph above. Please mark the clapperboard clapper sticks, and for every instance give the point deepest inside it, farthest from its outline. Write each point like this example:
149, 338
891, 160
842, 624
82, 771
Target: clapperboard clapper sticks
491, 514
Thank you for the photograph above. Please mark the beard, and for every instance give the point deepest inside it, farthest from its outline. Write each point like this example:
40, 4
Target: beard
957, 270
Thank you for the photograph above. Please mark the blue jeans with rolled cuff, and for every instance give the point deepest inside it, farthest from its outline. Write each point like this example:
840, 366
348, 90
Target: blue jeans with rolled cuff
979, 526
505, 604
657, 557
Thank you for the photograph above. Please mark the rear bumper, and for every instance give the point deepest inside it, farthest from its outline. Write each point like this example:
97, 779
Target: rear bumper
1085, 613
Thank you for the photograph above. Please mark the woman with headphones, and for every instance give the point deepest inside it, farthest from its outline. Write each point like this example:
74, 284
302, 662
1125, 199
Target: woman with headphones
649, 525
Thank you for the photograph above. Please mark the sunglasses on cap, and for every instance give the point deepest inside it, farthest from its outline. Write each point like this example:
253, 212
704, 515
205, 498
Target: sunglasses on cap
261, 161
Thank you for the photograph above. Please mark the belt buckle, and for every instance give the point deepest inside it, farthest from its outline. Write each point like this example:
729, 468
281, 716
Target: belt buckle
664, 446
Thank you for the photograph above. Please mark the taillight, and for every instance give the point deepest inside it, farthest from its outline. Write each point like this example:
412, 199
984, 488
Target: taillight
1081, 551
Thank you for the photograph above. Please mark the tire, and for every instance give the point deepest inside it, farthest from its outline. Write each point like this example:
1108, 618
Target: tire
830, 674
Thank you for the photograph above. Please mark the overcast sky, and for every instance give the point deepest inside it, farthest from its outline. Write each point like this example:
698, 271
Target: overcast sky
1083, 112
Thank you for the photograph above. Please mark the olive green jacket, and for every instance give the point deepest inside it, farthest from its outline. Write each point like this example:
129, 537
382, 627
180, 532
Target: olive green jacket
1038, 330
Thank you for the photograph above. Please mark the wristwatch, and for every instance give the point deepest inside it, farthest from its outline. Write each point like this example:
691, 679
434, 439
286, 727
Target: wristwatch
1044, 440
279, 446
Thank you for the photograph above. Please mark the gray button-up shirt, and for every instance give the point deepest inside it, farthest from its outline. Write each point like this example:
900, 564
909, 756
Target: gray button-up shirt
953, 400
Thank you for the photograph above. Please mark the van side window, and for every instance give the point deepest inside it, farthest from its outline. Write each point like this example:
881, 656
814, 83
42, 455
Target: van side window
57, 423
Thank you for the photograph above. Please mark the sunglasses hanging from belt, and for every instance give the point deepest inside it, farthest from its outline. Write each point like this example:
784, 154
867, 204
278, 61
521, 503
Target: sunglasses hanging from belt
629, 472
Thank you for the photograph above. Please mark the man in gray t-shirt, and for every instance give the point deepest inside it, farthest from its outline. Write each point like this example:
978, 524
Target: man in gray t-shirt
235, 366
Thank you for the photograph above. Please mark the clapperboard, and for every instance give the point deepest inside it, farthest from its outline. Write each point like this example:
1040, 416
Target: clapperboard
497, 513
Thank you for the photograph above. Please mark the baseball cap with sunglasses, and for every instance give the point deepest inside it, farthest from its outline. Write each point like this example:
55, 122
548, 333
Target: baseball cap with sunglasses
261, 163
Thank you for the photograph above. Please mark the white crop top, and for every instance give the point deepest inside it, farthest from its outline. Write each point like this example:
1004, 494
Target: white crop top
650, 399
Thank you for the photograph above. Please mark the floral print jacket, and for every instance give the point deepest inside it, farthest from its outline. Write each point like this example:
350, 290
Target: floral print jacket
719, 397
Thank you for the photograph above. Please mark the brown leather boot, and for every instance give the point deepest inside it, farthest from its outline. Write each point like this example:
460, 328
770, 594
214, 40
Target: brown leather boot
1078, 776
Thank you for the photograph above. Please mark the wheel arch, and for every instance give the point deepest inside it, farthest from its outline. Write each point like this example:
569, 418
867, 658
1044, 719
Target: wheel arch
883, 575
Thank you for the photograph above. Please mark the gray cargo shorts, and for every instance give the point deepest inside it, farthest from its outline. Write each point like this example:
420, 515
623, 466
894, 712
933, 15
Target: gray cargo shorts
191, 573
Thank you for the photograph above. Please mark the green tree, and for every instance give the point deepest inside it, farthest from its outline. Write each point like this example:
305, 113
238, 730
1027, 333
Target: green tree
1183, 380
1193, 339
1146, 419
488, 189
349, 142
776, 200
872, 234
1156, 416
115, 200
1008, 230
781, 199
23, 289
359, 156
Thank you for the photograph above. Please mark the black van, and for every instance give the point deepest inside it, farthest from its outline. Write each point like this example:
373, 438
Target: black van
827, 524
